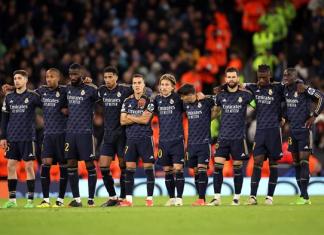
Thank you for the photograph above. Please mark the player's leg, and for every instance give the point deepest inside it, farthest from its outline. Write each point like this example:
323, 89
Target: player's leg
145, 150
86, 151
45, 181
12, 183
27, 150
71, 156
255, 179
104, 164
222, 154
122, 166
178, 162
273, 179
47, 161
304, 174
59, 157
131, 157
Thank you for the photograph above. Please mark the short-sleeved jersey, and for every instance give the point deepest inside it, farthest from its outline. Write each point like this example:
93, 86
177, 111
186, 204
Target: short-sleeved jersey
113, 100
53, 100
136, 107
21, 110
80, 101
199, 119
169, 111
268, 104
298, 106
233, 112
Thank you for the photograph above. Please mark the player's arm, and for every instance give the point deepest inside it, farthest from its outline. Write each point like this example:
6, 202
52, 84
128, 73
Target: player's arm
317, 96
124, 120
4, 124
6, 88
145, 118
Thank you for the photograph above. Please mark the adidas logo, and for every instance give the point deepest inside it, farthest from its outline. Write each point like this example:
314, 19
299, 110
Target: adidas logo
306, 147
206, 160
151, 157
31, 155
243, 155
281, 154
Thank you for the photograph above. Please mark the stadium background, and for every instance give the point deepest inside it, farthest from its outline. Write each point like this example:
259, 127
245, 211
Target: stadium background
195, 40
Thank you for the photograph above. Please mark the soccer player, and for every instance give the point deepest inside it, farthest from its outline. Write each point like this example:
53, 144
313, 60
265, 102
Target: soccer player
300, 118
233, 102
168, 107
53, 99
113, 95
268, 139
18, 135
199, 138
79, 142
136, 114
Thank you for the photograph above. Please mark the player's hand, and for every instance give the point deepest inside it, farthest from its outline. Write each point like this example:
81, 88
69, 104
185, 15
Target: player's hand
301, 88
87, 80
283, 121
310, 122
65, 111
7, 88
3, 144
200, 96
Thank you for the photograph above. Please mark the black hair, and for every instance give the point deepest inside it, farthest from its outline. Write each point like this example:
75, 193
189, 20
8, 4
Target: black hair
187, 89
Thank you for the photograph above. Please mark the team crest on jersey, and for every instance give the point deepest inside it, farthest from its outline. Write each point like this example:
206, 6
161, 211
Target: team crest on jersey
270, 92
26, 101
311, 91
118, 94
171, 101
295, 94
187, 106
57, 94
82, 92
240, 99
199, 105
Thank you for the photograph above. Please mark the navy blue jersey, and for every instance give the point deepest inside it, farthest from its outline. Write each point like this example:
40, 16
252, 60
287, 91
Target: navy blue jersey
20, 110
268, 104
169, 110
233, 108
199, 118
113, 101
131, 106
298, 106
81, 100
53, 100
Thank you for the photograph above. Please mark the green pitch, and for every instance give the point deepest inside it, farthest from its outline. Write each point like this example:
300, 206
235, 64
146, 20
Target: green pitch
281, 218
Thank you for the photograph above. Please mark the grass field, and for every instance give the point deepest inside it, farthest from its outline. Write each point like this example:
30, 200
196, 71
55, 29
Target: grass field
281, 218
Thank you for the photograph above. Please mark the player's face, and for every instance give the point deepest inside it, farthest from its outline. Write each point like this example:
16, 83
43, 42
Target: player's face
166, 87
20, 81
52, 79
231, 79
263, 78
288, 78
138, 85
75, 76
191, 98
110, 79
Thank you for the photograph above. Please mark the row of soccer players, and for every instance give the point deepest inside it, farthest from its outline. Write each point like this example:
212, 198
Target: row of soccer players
128, 110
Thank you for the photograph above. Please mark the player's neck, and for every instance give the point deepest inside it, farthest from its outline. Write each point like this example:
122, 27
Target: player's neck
167, 95
138, 95
113, 87
232, 89
21, 90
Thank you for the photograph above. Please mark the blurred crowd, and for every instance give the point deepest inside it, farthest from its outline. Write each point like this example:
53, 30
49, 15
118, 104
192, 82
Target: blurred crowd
194, 40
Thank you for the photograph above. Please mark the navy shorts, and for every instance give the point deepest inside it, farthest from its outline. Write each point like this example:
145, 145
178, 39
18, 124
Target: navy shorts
113, 144
237, 149
21, 150
268, 142
300, 141
171, 152
79, 146
198, 154
139, 148
53, 147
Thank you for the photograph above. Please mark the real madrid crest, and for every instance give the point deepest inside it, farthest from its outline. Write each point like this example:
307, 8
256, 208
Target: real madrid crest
82, 92
171, 101
295, 94
57, 94
118, 94
240, 99
199, 105
270, 92
26, 101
